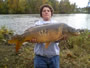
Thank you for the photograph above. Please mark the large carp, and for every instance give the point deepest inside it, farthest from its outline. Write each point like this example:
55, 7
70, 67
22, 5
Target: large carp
45, 33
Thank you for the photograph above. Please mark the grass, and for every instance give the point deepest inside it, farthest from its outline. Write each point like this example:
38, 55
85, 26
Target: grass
74, 52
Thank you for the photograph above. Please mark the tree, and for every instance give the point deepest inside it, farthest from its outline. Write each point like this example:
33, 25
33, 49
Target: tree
22, 5
66, 7
12, 6
55, 5
1, 5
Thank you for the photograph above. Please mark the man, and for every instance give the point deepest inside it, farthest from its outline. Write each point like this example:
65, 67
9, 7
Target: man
46, 58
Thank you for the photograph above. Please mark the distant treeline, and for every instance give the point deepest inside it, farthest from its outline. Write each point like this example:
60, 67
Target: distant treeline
32, 6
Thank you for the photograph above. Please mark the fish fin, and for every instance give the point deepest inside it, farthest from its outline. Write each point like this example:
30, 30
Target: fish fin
47, 44
63, 37
14, 39
18, 45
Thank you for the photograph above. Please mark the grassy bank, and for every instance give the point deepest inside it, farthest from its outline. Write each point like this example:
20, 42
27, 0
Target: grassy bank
74, 53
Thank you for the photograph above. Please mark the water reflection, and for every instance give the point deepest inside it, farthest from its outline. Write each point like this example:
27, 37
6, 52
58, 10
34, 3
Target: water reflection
77, 21
19, 23
88, 21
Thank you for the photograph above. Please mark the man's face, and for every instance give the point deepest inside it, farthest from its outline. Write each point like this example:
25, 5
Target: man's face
46, 13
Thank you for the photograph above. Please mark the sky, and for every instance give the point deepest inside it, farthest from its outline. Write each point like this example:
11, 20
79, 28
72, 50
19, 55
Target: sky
79, 3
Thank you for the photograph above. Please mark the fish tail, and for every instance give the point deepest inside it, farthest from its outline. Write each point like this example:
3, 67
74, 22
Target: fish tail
11, 41
18, 45
14, 39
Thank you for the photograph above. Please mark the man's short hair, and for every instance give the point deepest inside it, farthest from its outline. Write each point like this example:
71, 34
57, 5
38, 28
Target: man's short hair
46, 5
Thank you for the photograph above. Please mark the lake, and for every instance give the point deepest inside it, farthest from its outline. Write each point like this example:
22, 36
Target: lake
20, 22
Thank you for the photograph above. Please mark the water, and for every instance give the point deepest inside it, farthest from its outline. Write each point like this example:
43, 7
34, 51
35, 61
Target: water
19, 23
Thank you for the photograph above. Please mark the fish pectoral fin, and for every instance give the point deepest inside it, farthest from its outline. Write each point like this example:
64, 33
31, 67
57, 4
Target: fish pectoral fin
18, 45
60, 38
47, 44
64, 37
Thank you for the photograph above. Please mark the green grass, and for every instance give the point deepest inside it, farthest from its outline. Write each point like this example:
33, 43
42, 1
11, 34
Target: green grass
74, 52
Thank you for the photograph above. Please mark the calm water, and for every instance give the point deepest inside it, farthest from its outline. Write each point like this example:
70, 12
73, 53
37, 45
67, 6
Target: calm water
19, 23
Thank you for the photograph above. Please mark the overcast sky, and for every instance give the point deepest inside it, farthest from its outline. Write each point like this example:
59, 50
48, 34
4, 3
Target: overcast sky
79, 3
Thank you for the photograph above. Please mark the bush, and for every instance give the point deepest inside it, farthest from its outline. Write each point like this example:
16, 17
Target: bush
5, 34
74, 53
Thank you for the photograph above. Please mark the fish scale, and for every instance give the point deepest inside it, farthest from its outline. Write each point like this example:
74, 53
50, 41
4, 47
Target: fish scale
43, 34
